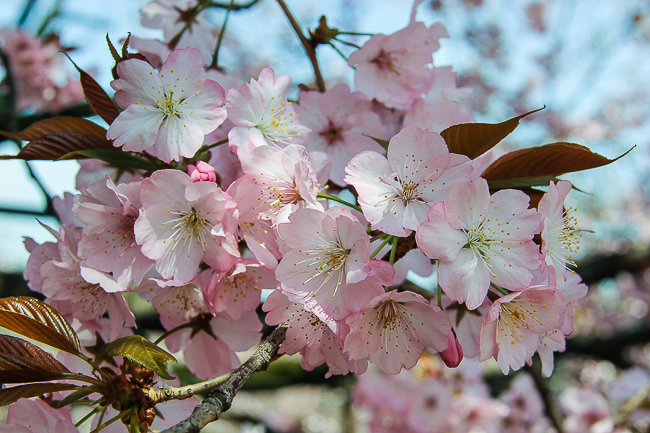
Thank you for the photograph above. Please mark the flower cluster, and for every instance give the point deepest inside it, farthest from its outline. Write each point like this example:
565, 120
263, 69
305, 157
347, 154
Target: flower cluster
201, 243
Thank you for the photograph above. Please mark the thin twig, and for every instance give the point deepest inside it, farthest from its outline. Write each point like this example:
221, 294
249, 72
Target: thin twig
166, 393
234, 7
309, 48
215, 56
220, 399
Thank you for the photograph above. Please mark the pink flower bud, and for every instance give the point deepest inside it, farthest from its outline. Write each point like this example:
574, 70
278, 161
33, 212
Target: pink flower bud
202, 172
453, 354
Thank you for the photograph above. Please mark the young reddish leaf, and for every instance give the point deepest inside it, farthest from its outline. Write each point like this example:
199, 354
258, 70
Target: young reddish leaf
58, 144
58, 124
521, 183
474, 139
22, 361
143, 352
548, 160
10, 395
37, 320
99, 101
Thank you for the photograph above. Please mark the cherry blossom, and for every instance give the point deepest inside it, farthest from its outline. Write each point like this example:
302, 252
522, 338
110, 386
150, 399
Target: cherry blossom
108, 243
396, 193
394, 328
277, 182
328, 251
202, 172
262, 115
36, 416
393, 69
171, 111
560, 238
183, 222
172, 16
514, 324
342, 124
481, 239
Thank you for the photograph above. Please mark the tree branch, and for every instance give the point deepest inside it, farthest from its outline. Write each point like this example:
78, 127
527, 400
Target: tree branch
309, 48
220, 399
549, 407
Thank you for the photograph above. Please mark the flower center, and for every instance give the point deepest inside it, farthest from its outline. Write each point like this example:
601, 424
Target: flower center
276, 124
187, 226
332, 134
170, 106
410, 191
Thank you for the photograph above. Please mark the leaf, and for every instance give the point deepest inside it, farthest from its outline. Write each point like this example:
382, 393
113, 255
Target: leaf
22, 361
101, 104
58, 144
549, 160
383, 143
114, 157
474, 139
36, 320
143, 352
521, 183
58, 124
11, 395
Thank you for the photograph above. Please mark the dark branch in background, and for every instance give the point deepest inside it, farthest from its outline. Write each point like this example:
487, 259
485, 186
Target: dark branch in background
215, 56
220, 399
309, 48
545, 394
11, 124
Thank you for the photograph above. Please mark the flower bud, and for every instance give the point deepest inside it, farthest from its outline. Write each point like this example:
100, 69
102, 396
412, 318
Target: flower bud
202, 172
453, 354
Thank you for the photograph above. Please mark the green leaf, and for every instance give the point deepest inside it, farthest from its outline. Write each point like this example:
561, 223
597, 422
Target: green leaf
13, 394
544, 161
114, 157
474, 139
37, 320
143, 352
383, 143
22, 361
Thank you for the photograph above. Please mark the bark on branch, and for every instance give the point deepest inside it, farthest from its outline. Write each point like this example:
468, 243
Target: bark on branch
220, 399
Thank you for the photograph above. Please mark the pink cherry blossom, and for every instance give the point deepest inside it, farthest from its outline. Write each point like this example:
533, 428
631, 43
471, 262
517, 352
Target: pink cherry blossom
394, 328
108, 242
342, 124
172, 16
66, 285
262, 115
311, 333
238, 291
393, 69
514, 324
171, 111
328, 251
183, 222
396, 193
36, 416
277, 182
481, 239
441, 107
210, 350
453, 354
560, 238
202, 172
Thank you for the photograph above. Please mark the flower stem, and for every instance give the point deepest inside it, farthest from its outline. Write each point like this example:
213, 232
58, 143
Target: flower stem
383, 244
356, 33
440, 297
338, 51
117, 417
339, 200
393, 250
500, 289
88, 415
173, 330
350, 44
215, 56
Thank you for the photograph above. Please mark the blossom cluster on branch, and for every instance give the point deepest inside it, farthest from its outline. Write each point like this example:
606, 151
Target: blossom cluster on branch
208, 187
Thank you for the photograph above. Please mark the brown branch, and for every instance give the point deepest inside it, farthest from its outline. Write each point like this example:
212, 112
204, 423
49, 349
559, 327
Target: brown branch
549, 407
220, 399
309, 48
